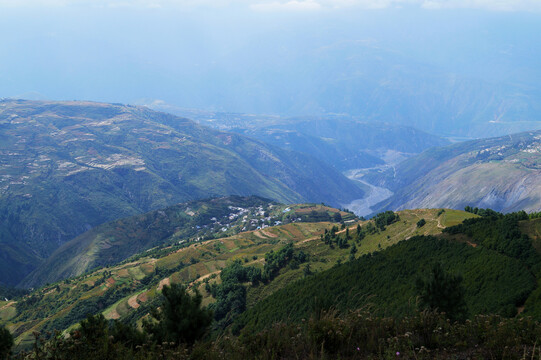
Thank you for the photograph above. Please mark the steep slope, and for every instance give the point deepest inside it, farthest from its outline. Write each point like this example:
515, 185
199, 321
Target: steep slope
499, 173
386, 281
66, 167
498, 262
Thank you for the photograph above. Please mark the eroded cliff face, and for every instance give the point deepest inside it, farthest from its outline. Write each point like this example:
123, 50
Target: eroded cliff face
500, 173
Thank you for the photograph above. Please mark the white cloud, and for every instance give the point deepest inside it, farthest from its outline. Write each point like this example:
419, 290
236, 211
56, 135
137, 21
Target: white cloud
367, 4
293, 5
119, 3
290, 5
24, 3
494, 5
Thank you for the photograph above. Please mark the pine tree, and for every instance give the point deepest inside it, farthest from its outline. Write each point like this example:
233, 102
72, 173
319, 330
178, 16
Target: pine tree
352, 252
181, 319
443, 292
307, 270
6, 343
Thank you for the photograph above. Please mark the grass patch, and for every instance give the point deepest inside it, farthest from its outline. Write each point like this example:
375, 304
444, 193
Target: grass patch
455, 217
8, 313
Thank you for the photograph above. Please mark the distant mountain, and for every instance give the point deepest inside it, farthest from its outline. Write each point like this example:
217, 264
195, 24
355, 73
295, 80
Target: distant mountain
339, 140
501, 173
376, 84
346, 143
66, 167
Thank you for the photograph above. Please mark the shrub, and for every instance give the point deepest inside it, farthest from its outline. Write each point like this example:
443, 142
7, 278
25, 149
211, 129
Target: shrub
6, 343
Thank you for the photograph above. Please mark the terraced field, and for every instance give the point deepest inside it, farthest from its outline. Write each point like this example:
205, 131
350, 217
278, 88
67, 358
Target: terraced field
128, 289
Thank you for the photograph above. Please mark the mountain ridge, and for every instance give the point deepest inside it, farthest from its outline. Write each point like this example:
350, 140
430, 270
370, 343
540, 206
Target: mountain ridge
342, 141
500, 173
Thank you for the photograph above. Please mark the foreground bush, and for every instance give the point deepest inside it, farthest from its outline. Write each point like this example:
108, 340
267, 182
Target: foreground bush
6, 343
357, 335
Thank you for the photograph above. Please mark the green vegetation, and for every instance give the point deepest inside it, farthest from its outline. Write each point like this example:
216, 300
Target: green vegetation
500, 233
362, 335
245, 275
174, 227
180, 318
130, 289
424, 335
274, 261
443, 292
116, 241
482, 212
386, 280
6, 343
7, 292
230, 294
384, 219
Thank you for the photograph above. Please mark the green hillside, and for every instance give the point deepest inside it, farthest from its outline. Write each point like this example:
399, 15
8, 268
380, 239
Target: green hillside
66, 167
497, 261
498, 173
300, 291
128, 290
200, 220
116, 241
386, 281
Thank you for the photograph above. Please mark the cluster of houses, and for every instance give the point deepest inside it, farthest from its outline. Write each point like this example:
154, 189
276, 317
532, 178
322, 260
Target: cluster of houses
254, 218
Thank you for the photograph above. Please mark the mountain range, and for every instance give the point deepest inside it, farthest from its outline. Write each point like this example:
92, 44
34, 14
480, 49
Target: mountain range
341, 141
375, 84
66, 167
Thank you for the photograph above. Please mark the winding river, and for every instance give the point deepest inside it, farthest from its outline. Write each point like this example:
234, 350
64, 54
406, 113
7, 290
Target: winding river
375, 194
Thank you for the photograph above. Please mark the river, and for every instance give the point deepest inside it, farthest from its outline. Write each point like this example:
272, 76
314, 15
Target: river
375, 194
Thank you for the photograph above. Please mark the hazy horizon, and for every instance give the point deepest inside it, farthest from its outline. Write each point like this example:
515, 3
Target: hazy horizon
395, 61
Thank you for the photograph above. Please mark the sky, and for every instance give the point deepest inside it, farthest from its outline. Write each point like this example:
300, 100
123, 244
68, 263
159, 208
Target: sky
292, 57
